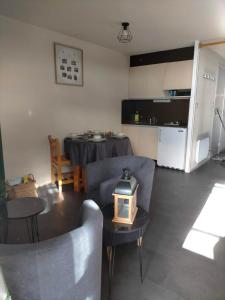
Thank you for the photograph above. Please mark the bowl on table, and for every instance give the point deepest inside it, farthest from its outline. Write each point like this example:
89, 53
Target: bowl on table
97, 137
120, 135
72, 135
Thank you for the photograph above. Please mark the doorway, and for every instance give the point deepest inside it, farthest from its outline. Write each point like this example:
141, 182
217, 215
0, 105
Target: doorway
218, 131
2, 173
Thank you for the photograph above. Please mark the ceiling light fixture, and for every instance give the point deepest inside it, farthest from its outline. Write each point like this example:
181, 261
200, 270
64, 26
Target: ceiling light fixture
125, 35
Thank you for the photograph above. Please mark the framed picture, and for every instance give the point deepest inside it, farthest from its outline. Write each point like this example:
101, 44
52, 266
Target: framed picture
68, 65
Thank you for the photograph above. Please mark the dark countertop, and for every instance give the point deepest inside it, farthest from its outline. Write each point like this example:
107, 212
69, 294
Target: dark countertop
156, 125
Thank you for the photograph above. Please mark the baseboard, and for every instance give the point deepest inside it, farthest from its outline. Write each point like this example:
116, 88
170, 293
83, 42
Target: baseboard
199, 165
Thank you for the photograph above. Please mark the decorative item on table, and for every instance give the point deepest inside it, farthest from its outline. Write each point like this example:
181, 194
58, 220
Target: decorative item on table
108, 134
68, 65
72, 135
14, 181
125, 199
20, 187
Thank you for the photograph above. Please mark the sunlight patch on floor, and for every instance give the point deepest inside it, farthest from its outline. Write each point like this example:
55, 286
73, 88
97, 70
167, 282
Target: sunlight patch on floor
209, 226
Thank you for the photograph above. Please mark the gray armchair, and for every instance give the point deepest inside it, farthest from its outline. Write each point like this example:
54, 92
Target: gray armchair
102, 177
67, 267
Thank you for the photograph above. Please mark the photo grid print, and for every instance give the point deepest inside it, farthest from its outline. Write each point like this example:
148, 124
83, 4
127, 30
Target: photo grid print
69, 62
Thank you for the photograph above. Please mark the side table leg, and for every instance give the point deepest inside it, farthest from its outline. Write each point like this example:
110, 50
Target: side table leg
139, 244
111, 251
28, 230
32, 229
36, 228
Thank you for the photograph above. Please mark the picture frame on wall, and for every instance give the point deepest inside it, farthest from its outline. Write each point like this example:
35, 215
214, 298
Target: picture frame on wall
68, 65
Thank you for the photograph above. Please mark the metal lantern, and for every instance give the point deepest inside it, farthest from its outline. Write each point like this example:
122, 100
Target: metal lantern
125, 199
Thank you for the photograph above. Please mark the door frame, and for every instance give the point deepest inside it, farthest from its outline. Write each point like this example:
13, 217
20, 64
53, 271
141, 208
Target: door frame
2, 169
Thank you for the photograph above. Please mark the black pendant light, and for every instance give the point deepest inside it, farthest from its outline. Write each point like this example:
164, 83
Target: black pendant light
125, 35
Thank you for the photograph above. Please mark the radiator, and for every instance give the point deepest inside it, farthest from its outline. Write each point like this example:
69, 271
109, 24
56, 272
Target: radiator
202, 149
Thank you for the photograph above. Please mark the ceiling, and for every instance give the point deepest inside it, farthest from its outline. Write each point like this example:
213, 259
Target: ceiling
220, 49
155, 24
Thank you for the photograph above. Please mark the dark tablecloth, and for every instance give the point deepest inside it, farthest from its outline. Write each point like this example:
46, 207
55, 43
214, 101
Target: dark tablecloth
82, 152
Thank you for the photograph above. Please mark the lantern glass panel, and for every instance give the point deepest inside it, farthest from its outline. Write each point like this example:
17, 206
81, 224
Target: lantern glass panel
123, 208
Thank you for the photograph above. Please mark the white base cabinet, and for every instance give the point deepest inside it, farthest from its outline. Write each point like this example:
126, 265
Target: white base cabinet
144, 139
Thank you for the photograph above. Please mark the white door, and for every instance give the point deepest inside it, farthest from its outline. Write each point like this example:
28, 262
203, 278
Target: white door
218, 134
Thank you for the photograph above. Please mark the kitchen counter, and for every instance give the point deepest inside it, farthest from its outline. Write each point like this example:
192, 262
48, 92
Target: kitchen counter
154, 126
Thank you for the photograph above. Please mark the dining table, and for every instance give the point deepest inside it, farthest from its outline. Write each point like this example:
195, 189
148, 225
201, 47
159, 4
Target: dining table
82, 151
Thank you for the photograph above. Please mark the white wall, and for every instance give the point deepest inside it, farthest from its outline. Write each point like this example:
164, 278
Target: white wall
32, 105
209, 62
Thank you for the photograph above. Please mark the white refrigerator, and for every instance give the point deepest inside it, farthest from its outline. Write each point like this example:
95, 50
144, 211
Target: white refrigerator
172, 147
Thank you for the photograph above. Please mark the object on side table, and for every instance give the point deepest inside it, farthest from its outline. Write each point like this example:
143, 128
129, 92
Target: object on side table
27, 187
125, 198
103, 176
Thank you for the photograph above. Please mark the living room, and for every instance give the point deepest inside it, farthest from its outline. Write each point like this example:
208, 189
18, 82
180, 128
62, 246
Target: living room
143, 76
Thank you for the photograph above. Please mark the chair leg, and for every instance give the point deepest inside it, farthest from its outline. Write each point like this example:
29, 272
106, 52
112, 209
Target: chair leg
59, 180
76, 179
83, 179
52, 173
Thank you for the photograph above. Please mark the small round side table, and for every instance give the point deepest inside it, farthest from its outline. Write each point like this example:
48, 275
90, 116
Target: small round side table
27, 208
115, 234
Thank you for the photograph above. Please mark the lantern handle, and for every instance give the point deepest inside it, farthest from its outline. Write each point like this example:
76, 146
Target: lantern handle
126, 174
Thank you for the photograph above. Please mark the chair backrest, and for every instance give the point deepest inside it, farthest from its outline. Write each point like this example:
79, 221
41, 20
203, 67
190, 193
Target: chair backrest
63, 268
55, 149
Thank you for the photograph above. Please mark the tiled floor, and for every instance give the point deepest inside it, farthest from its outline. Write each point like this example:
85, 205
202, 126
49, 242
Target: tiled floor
170, 271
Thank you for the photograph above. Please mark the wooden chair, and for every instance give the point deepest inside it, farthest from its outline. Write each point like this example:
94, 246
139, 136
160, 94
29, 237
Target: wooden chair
58, 161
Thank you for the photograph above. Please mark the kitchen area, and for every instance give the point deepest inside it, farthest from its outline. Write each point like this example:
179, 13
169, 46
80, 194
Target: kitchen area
155, 117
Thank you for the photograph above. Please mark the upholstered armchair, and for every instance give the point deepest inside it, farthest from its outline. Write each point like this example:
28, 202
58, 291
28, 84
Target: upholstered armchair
102, 177
63, 268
